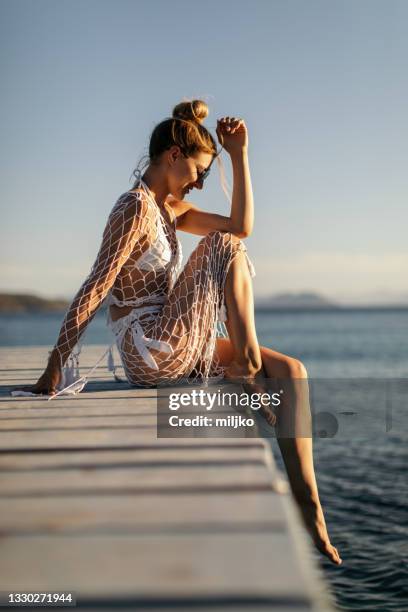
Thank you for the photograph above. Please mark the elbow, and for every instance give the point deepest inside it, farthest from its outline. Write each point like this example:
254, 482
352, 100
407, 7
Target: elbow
242, 232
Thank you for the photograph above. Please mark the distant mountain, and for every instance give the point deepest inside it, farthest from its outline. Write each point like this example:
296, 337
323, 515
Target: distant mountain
305, 299
21, 303
16, 303
380, 299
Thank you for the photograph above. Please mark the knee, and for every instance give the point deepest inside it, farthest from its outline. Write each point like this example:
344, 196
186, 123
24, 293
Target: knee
219, 238
296, 369
292, 368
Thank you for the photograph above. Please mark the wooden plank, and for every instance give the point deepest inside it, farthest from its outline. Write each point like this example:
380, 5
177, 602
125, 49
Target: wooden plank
91, 391
200, 512
149, 456
132, 479
253, 606
100, 440
57, 422
18, 377
110, 408
96, 438
241, 566
81, 423
25, 357
210, 605
79, 404
129, 409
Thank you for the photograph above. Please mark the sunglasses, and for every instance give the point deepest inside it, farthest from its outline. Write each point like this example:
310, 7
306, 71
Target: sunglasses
201, 176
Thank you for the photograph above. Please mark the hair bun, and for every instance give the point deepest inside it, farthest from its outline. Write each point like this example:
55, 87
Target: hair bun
196, 111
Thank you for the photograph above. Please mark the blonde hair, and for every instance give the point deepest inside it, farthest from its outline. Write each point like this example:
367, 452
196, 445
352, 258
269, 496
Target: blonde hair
185, 130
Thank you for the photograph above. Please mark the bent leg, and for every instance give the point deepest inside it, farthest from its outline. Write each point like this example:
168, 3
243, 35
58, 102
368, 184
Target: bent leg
241, 319
188, 318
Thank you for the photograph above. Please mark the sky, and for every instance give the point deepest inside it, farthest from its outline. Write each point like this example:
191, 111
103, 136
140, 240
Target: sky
321, 85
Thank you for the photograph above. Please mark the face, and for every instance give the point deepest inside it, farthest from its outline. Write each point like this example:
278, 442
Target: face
184, 172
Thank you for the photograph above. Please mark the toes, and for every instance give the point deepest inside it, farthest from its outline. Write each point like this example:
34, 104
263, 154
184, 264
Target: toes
332, 553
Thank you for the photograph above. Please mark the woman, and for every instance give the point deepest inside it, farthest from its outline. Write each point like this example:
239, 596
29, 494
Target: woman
164, 316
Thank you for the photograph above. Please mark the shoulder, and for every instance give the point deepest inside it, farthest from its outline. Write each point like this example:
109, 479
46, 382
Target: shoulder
178, 207
131, 213
133, 203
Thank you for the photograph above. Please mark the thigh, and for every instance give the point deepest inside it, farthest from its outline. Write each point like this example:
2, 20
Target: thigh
188, 318
193, 303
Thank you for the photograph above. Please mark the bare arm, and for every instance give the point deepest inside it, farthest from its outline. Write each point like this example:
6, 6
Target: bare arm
125, 227
234, 136
242, 206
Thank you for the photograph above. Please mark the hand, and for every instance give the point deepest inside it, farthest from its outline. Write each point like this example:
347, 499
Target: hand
47, 383
232, 134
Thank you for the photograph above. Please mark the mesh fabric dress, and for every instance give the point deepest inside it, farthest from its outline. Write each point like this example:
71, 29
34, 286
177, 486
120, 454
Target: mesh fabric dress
169, 333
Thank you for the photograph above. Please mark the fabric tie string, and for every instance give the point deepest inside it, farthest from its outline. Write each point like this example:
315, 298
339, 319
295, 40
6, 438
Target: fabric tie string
142, 343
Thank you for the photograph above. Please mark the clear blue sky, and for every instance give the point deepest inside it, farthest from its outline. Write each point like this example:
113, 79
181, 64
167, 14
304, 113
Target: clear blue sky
321, 84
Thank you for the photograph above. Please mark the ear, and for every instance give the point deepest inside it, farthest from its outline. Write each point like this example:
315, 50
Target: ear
174, 153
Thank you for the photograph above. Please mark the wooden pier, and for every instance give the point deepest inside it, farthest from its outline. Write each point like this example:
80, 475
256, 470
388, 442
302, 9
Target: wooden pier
92, 502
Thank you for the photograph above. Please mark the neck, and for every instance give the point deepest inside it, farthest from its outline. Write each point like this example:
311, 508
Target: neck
156, 182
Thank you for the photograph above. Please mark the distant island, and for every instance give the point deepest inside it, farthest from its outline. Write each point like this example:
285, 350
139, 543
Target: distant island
294, 301
20, 303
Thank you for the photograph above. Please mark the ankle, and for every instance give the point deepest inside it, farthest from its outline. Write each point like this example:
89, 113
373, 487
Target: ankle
250, 360
245, 367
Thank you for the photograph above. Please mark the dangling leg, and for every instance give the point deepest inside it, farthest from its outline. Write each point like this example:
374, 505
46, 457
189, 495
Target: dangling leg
297, 451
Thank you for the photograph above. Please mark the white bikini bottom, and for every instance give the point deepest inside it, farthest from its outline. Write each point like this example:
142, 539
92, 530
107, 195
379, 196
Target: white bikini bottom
141, 342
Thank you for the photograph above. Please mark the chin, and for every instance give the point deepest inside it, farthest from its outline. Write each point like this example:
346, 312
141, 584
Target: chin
178, 193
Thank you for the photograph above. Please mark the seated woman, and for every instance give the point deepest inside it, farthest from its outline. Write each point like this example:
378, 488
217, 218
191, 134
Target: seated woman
164, 315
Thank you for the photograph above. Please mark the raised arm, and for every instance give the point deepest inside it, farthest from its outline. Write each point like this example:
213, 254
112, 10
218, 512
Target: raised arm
126, 226
234, 137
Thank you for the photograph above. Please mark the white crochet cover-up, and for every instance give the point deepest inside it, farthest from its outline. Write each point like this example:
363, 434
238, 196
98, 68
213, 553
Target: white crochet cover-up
177, 312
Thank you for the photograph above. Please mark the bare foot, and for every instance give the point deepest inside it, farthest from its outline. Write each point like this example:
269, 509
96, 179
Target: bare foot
252, 383
313, 518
